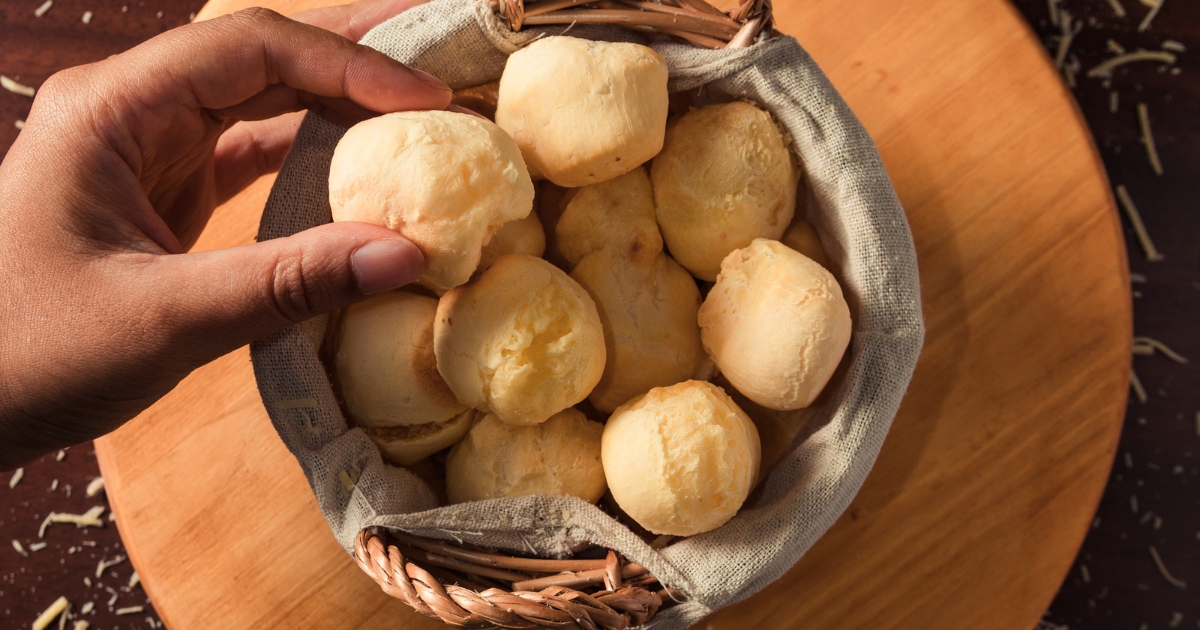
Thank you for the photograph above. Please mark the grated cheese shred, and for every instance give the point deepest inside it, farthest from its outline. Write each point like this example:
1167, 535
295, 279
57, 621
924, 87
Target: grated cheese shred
1104, 70
16, 478
95, 486
1069, 29
1174, 46
105, 564
1162, 569
1136, 384
1154, 9
87, 608
131, 610
1148, 139
40, 11
1154, 344
1114, 47
16, 88
1135, 218
21, 550
1117, 8
87, 17
1114, 102
38, 546
91, 518
50, 614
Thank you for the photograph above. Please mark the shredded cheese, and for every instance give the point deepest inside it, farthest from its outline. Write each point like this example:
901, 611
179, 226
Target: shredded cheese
1135, 218
62, 454
1154, 9
112, 600
87, 608
95, 486
53, 485
87, 17
105, 564
1146, 517
1069, 29
19, 124
1162, 569
87, 581
91, 518
132, 610
134, 579
1052, 5
16, 88
62, 619
1155, 344
1117, 8
50, 614
1148, 139
16, 478
1105, 69
1087, 576
1174, 46
1136, 384
1114, 101
1176, 619
21, 550
40, 11
38, 546
1128, 460
81, 625
1114, 47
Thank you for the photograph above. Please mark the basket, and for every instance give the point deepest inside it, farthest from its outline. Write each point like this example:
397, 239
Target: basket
487, 564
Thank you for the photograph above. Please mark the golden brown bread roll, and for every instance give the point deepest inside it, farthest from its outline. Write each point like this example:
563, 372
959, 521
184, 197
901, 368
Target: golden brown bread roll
385, 363
680, 460
522, 236
559, 456
724, 178
521, 340
584, 111
617, 213
801, 237
776, 324
409, 444
649, 317
447, 181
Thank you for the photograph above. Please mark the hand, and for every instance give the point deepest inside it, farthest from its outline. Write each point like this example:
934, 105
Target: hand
116, 173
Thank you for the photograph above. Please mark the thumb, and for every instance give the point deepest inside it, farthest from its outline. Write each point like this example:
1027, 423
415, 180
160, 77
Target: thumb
224, 299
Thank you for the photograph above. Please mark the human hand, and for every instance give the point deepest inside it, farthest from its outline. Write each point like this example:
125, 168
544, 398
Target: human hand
116, 173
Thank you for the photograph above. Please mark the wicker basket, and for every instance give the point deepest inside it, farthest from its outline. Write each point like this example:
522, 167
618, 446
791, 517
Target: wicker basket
476, 589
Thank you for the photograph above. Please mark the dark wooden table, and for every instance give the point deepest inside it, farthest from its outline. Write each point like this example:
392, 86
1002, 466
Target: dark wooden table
1153, 497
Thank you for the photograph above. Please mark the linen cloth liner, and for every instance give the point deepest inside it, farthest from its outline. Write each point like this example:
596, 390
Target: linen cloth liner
851, 204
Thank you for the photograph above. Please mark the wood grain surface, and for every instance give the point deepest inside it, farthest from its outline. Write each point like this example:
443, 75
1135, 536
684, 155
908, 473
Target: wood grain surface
988, 481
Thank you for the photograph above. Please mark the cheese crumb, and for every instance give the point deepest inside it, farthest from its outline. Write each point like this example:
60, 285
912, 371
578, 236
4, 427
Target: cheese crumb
134, 579
21, 550
62, 454
16, 478
87, 17
19, 124
38, 546
1174, 46
1135, 218
132, 610
1117, 8
81, 625
1148, 139
1114, 47
87, 608
51, 613
53, 485
40, 11
105, 564
87, 581
95, 486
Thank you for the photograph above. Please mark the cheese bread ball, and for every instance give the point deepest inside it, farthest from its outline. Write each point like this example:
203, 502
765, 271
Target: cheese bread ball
724, 178
559, 456
447, 181
523, 236
385, 363
801, 237
409, 444
521, 341
776, 324
582, 111
680, 460
616, 213
649, 317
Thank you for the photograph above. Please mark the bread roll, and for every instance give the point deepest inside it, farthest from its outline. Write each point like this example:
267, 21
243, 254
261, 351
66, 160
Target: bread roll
617, 213
583, 111
521, 341
559, 456
680, 460
523, 236
724, 178
776, 324
649, 317
447, 181
408, 444
385, 363
801, 237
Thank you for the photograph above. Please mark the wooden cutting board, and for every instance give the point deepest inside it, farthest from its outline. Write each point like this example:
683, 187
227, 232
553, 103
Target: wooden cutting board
993, 468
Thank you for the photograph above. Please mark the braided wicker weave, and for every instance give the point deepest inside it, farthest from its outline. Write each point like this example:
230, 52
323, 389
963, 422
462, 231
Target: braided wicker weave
474, 589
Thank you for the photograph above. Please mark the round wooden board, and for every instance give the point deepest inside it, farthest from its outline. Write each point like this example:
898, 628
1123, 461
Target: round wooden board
993, 468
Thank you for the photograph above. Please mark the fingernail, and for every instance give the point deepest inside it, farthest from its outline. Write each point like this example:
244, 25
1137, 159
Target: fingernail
430, 79
386, 265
